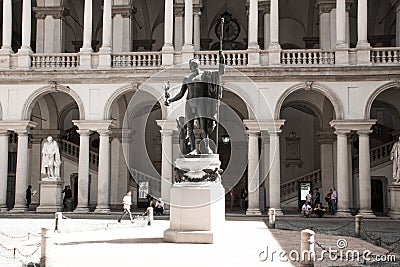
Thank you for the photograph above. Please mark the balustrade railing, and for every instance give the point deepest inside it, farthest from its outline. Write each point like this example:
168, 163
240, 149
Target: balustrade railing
307, 57
378, 155
290, 189
72, 150
385, 55
232, 57
55, 61
136, 59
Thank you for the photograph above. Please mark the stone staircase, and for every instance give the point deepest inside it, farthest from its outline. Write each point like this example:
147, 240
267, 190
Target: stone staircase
290, 189
378, 155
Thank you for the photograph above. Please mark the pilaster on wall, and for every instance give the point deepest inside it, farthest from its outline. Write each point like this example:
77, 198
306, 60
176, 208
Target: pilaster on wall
122, 17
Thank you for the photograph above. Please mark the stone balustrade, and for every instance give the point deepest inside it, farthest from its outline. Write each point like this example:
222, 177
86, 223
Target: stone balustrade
290, 189
307, 57
232, 57
385, 55
55, 61
136, 59
235, 58
71, 151
378, 155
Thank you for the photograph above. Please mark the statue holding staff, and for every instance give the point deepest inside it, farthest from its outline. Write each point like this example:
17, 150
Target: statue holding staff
203, 93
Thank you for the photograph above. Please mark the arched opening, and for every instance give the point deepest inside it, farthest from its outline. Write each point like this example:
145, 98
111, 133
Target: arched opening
385, 132
136, 144
306, 145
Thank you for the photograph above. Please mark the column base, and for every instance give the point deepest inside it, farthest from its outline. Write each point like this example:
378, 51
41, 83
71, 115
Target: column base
253, 212
103, 209
105, 58
85, 59
367, 213
3, 208
167, 54
5, 58
81, 210
18, 209
343, 213
394, 211
342, 55
274, 54
253, 56
187, 53
363, 54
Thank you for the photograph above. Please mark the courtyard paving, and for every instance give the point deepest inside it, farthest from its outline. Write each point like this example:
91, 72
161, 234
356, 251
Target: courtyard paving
241, 241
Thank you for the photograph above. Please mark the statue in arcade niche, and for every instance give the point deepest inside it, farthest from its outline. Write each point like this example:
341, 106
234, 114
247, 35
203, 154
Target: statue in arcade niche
395, 157
51, 160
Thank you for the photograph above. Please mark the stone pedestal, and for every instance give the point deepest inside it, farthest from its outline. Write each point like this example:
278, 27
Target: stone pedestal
394, 211
50, 195
197, 212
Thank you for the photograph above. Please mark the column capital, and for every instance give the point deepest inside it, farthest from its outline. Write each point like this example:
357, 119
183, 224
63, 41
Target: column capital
352, 125
167, 125
349, 3
84, 132
126, 11
104, 132
364, 132
197, 8
94, 125
264, 6
54, 11
17, 125
342, 132
326, 6
4, 133
272, 126
326, 136
253, 133
179, 10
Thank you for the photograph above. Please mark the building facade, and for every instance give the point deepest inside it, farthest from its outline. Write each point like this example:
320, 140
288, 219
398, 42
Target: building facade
311, 88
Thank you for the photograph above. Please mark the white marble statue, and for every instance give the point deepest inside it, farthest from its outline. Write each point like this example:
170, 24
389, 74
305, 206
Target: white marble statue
51, 159
395, 157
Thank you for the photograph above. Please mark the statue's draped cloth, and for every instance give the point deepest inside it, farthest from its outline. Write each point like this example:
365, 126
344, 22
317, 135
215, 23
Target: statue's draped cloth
51, 156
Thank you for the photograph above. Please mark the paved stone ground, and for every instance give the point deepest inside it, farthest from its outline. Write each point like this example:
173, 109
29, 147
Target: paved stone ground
241, 241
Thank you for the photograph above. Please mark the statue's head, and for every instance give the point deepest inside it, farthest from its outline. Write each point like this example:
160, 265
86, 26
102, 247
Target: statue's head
194, 64
49, 139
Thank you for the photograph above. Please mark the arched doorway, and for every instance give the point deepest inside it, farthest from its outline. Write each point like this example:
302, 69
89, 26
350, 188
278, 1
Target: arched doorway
307, 146
385, 132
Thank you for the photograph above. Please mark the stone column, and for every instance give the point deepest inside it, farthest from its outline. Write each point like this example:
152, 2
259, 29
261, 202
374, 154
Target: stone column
265, 8
197, 29
106, 49
85, 57
253, 174
325, 25
253, 24
166, 165
364, 178
122, 27
341, 56
3, 169
396, 3
103, 179
7, 26
21, 181
83, 172
363, 47
342, 188
24, 59
26, 25
188, 24
187, 49
168, 48
265, 148
274, 48
275, 171
178, 15
252, 47
326, 138
5, 51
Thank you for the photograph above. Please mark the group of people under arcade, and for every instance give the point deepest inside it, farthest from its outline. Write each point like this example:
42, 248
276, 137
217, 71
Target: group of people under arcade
313, 204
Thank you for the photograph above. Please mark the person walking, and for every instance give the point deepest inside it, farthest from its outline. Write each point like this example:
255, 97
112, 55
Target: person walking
127, 202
